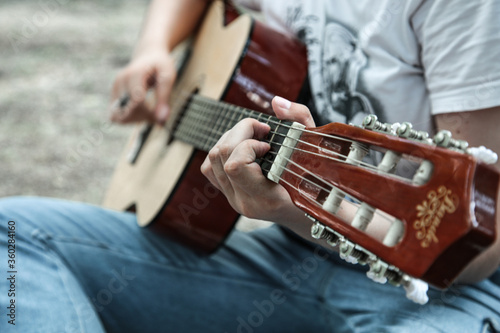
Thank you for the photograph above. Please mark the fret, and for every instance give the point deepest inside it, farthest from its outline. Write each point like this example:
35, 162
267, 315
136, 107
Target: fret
219, 124
211, 130
201, 118
279, 132
205, 120
229, 124
205, 130
207, 127
189, 128
191, 132
258, 117
242, 114
273, 132
230, 120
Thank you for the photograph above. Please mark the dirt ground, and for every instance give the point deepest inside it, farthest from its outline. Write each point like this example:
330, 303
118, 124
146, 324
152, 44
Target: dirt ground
58, 59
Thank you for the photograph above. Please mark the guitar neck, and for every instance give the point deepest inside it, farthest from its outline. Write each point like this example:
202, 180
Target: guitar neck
205, 120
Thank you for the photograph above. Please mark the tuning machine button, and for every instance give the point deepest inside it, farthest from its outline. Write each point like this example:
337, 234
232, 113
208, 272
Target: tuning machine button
483, 154
371, 123
416, 290
377, 271
406, 131
320, 231
317, 229
443, 139
380, 271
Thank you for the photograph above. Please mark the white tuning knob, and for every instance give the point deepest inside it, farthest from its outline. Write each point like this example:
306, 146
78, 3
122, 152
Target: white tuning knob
350, 259
483, 154
416, 290
376, 277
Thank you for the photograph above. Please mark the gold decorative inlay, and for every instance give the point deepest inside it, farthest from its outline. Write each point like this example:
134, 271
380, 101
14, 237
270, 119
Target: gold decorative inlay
431, 211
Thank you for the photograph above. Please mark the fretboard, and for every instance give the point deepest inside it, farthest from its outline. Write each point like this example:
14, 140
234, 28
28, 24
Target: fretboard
205, 120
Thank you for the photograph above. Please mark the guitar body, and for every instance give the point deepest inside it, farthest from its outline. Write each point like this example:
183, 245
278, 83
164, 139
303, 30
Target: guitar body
233, 59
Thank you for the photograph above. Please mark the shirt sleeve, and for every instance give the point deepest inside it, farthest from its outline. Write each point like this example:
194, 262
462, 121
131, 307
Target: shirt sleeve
460, 53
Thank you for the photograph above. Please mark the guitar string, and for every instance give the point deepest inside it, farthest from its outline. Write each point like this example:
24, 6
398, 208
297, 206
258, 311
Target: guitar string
212, 107
366, 165
362, 163
217, 133
341, 196
201, 102
373, 168
216, 106
273, 119
354, 202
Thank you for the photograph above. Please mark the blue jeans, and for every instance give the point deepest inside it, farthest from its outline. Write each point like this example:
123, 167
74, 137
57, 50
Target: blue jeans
80, 268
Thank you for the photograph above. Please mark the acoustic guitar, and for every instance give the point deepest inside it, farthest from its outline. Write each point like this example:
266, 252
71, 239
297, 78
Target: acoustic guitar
438, 219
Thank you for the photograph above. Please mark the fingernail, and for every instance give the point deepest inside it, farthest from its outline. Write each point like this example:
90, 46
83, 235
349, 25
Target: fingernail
282, 103
163, 113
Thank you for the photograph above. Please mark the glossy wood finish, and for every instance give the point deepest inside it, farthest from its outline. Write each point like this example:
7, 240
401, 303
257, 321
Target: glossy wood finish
271, 64
460, 234
480, 233
196, 213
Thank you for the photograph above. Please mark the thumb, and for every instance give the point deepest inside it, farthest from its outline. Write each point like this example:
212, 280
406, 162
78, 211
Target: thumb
287, 110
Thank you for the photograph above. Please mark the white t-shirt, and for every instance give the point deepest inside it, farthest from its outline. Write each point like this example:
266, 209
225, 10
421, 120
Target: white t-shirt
402, 60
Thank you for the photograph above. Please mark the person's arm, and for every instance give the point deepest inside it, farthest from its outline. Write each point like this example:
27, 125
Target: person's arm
478, 128
168, 22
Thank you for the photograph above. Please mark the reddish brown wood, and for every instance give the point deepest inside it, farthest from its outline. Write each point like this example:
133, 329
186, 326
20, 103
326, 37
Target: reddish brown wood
451, 261
272, 64
197, 214
458, 232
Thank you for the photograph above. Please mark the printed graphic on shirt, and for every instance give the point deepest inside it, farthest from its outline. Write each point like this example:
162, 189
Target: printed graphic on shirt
335, 65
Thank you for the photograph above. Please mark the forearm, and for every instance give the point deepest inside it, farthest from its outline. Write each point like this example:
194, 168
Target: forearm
168, 22
478, 128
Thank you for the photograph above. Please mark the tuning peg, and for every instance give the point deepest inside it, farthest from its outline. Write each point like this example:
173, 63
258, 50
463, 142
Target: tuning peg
351, 252
371, 122
483, 154
377, 271
443, 139
406, 131
380, 271
416, 290
320, 231
348, 250
317, 229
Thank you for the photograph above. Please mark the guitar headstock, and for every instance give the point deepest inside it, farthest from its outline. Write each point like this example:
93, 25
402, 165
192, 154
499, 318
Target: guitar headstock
437, 218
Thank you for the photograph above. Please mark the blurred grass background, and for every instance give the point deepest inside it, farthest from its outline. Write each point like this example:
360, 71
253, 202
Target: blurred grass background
58, 59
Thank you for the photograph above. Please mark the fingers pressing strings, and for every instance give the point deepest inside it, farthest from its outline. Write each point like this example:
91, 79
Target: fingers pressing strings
212, 133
